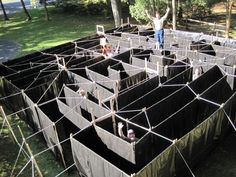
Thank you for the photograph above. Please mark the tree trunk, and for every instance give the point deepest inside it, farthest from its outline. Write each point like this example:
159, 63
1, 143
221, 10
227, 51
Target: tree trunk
180, 10
229, 5
25, 10
46, 10
4, 12
154, 9
116, 10
174, 14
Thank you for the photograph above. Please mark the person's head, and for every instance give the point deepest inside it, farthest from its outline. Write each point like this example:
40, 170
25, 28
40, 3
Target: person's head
81, 92
157, 15
131, 134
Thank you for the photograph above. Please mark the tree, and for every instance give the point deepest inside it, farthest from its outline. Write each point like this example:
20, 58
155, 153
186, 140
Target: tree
116, 10
174, 14
138, 9
229, 5
4, 12
46, 10
25, 10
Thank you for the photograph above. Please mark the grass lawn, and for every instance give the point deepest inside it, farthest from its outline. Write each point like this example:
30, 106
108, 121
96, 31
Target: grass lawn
9, 1
46, 161
39, 34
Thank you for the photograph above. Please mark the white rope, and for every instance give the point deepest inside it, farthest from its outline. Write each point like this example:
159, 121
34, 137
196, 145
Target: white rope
23, 167
48, 87
149, 124
184, 161
18, 155
65, 170
3, 123
136, 125
230, 120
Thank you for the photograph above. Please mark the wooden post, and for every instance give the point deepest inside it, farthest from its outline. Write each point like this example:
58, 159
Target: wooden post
3, 123
8, 124
63, 159
128, 20
99, 98
113, 117
30, 152
145, 64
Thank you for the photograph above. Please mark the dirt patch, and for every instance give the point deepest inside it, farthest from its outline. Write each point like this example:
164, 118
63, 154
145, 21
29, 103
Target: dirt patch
221, 8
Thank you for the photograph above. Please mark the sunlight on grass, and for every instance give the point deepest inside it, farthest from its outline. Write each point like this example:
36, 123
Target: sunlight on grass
40, 34
9, 1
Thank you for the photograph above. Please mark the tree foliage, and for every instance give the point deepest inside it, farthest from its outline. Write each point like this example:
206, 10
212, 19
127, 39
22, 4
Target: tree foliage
189, 8
137, 10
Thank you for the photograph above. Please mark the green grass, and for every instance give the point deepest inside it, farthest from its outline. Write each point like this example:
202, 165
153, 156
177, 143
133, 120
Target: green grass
39, 34
9, 1
9, 152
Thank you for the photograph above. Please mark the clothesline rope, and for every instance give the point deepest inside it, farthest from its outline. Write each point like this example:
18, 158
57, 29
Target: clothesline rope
116, 115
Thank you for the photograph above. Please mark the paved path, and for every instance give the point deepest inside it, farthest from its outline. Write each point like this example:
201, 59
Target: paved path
8, 50
13, 7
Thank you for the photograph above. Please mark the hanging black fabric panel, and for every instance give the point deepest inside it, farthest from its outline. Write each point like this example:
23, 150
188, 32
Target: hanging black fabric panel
132, 94
117, 145
138, 62
149, 99
149, 86
181, 78
85, 161
50, 134
27, 72
125, 56
75, 60
177, 68
30, 110
183, 121
102, 66
205, 80
46, 91
72, 115
144, 54
113, 74
73, 100
79, 103
5, 70
231, 71
161, 166
220, 92
195, 145
131, 70
89, 86
11, 96
100, 79
87, 62
94, 159
158, 112
133, 80
34, 79
149, 147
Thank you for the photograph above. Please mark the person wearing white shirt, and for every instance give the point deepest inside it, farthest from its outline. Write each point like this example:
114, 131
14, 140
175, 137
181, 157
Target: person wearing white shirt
158, 27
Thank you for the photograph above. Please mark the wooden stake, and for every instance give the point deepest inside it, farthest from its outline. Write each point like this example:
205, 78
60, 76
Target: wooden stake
30, 152
113, 117
8, 124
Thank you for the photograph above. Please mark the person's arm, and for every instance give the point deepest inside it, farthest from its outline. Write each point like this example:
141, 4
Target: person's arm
120, 130
166, 15
148, 15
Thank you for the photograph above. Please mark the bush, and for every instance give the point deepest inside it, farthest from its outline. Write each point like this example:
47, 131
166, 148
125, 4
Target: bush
137, 10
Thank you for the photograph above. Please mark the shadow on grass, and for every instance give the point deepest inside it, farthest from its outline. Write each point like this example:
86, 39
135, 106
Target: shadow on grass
39, 34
